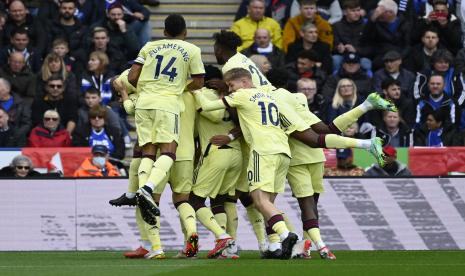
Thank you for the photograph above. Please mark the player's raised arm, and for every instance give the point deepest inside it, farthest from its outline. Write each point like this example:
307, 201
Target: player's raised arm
134, 73
206, 104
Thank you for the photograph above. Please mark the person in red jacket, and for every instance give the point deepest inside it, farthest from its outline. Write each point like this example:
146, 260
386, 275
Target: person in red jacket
98, 165
49, 133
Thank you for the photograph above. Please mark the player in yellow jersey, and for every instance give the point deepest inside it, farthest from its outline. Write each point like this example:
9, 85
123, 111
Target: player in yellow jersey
269, 151
160, 73
217, 171
180, 178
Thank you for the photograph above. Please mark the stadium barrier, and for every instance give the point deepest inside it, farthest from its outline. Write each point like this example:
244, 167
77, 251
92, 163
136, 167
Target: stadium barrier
355, 214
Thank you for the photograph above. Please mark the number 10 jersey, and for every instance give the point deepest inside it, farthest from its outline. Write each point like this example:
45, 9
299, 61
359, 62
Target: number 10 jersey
167, 65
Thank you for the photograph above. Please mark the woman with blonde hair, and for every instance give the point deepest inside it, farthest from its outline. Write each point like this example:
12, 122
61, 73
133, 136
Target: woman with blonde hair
98, 76
345, 98
54, 65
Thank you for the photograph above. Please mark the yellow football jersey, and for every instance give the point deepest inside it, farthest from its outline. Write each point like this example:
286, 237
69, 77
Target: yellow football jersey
260, 121
211, 123
124, 79
240, 61
301, 153
186, 147
167, 65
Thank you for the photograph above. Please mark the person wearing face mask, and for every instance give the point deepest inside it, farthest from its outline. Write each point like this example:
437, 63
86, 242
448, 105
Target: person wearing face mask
392, 167
21, 166
98, 165
49, 133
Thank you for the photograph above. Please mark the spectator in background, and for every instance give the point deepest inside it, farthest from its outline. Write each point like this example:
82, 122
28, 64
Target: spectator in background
392, 69
419, 59
3, 18
263, 46
348, 34
101, 42
392, 167
449, 27
92, 99
97, 132
279, 10
385, 31
18, 115
437, 100
393, 130
21, 166
345, 98
438, 132
49, 133
317, 104
20, 76
351, 69
309, 41
392, 92
263, 64
121, 36
54, 65
19, 42
98, 76
20, 18
345, 165
306, 66
54, 98
308, 13
98, 165
60, 47
329, 10
245, 27
442, 63
68, 27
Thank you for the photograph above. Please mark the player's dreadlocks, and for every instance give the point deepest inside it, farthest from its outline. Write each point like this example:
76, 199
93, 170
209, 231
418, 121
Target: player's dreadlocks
227, 39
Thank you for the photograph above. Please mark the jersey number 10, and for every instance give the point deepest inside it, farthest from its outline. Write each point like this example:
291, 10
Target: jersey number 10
269, 113
167, 70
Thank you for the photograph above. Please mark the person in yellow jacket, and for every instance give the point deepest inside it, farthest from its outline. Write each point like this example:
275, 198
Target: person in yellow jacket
245, 27
98, 165
308, 12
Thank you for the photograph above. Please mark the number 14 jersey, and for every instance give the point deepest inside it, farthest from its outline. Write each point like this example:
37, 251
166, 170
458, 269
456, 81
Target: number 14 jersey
167, 65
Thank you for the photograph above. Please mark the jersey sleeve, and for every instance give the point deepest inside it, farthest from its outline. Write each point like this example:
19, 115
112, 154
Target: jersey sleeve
304, 111
206, 104
290, 120
196, 65
235, 99
141, 56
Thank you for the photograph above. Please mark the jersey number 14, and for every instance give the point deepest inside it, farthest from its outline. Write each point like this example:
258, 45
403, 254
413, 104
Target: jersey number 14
168, 70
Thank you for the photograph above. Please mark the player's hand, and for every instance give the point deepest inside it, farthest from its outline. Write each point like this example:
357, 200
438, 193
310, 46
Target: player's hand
220, 140
138, 15
350, 48
121, 25
378, 11
218, 85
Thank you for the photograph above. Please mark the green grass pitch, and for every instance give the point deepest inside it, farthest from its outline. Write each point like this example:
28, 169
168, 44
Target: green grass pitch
373, 263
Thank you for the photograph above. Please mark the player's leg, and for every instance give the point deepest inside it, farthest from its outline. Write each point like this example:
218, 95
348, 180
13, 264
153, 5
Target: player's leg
181, 184
264, 174
314, 140
231, 216
153, 234
373, 101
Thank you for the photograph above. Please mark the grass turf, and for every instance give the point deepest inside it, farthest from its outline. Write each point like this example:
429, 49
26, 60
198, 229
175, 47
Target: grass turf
373, 263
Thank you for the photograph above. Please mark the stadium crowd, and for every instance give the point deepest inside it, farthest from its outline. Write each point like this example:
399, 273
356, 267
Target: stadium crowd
57, 58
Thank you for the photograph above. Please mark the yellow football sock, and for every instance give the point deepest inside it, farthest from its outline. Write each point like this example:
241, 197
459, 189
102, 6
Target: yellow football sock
133, 179
273, 238
144, 170
334, 141
153, 233
206, 217
183, 229
288, 222
222, 220
343, 121
314, 234
232, 219
258, 223
141, 225
187, 216
280, 227
160, 170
